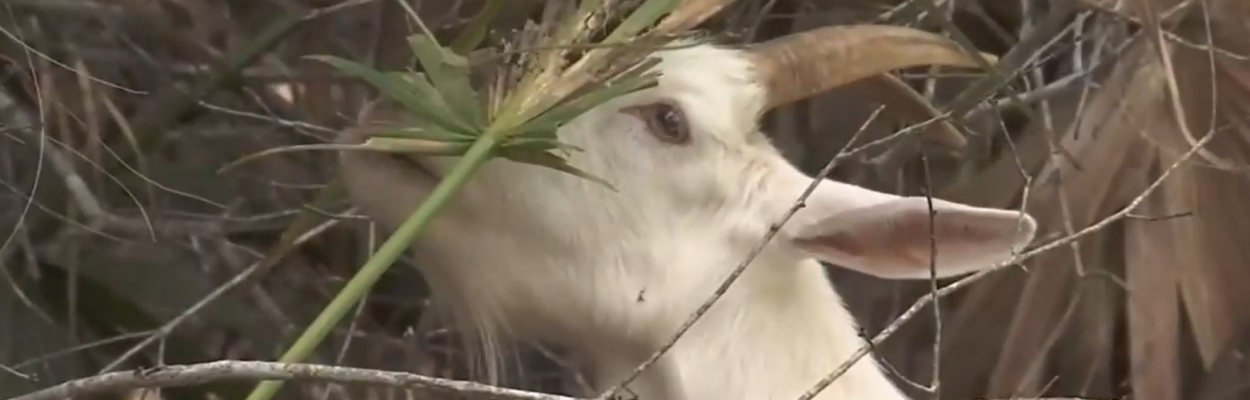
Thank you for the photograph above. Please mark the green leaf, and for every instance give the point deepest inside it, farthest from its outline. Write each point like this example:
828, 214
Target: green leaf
426, 133
642, 17
415, 146
549, 160
473, 33
411, 90
547, 133
376, 143
422, 84
450, 73
521, 143
566, 111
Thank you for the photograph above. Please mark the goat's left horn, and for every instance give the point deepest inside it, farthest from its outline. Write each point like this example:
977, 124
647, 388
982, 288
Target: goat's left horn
800, 65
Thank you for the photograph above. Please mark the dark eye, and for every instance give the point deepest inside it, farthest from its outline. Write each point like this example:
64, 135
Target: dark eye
665, 121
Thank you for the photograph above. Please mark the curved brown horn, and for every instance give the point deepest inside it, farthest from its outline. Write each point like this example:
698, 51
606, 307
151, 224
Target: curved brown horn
800, 65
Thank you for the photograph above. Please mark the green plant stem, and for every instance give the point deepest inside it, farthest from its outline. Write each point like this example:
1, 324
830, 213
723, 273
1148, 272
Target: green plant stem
394, 246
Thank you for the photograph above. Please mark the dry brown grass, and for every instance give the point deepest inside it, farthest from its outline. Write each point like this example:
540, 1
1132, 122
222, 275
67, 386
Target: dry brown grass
116, 222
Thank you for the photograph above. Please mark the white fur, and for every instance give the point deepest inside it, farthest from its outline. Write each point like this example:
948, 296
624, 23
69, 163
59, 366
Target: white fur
529, 253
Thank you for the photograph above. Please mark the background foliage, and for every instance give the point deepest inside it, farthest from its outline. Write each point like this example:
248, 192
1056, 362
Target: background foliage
116, 115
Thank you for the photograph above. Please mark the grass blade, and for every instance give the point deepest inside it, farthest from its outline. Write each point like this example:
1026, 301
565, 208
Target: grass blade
411, 90
567, 110
646, 15
383, 144
553, 161
475, 31
431, 133
450, 73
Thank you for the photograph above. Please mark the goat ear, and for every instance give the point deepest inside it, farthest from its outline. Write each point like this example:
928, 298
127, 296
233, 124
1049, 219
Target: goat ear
889, 236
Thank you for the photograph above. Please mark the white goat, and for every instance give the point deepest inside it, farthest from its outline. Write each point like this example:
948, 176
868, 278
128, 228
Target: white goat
526, 252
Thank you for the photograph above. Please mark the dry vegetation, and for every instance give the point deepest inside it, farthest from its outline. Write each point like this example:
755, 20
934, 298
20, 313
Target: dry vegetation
115, 116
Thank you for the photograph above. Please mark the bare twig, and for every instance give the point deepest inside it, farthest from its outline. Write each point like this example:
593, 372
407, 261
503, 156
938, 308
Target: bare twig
192, 374
733, 276
183, 375
238, 280
1065, 241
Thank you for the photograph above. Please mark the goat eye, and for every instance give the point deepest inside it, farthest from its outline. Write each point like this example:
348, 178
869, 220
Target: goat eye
665, 121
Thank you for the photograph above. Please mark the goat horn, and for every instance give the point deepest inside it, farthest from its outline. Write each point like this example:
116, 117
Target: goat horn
800, 65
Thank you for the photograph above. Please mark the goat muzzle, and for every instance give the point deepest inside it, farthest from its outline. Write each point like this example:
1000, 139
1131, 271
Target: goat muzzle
801, 65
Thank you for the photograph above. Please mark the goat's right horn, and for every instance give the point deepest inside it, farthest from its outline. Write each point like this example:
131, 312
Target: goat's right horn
800, 65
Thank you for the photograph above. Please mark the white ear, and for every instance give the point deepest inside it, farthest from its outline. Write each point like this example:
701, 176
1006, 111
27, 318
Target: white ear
889, 236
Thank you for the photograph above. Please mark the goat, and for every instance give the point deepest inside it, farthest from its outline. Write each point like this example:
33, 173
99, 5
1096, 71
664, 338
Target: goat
526, 252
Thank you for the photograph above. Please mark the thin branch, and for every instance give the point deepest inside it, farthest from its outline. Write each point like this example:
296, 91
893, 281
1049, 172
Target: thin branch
194, 374
243, 277
935, 385
741, 267
184, 375
929, 298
